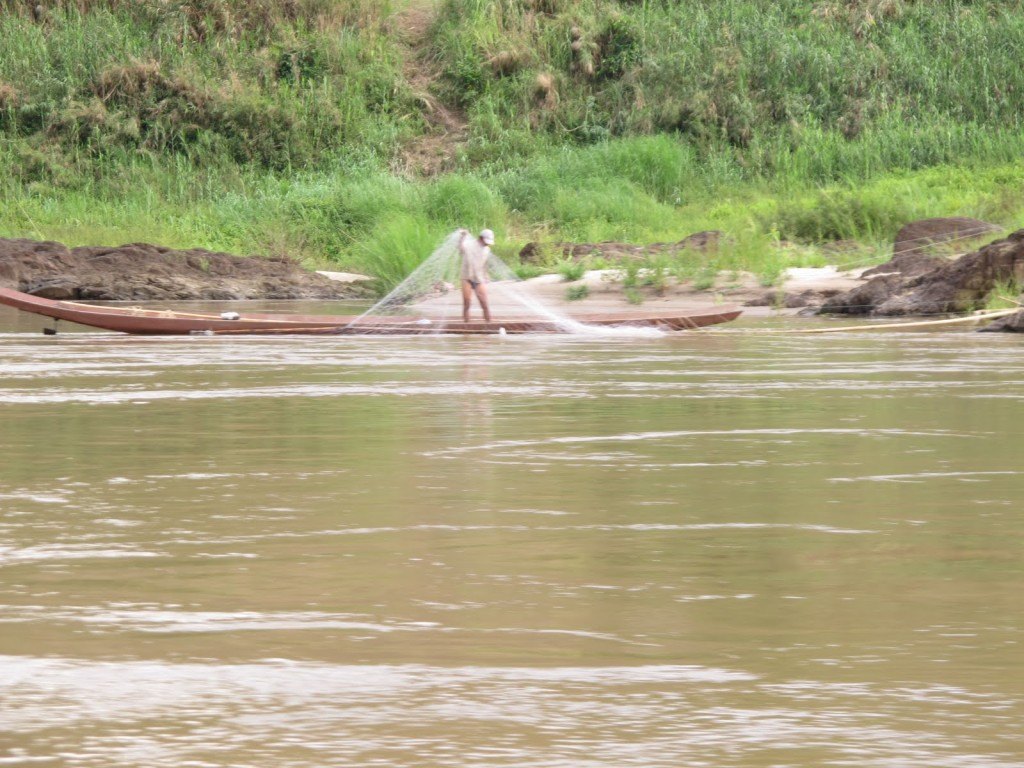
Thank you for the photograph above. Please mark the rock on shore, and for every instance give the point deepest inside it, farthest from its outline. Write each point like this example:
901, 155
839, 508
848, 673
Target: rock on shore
946, 287
1011, 324
143, 272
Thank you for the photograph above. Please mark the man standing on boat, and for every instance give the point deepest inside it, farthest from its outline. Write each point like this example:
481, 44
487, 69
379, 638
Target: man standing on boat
475, 252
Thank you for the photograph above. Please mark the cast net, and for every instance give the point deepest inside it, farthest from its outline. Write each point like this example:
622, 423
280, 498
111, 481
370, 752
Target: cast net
430, 300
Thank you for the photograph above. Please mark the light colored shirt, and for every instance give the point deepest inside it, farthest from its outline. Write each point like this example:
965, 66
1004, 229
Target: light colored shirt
474, 259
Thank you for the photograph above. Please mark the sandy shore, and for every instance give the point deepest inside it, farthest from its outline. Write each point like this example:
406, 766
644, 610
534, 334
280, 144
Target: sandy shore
606, 293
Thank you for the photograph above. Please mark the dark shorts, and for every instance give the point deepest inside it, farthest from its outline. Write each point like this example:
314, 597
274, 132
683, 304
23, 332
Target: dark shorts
474, 284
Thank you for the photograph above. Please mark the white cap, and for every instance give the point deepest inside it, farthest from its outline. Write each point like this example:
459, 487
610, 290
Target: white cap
487, 236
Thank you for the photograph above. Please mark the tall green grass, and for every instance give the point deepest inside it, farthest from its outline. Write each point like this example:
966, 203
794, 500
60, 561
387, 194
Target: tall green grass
372, 221
92, 90
750, 75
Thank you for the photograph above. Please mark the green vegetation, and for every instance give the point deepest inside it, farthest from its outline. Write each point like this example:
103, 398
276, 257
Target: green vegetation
287, 126
630, 274
657, 273
1004, 296
527, 271
577, 292
571, 271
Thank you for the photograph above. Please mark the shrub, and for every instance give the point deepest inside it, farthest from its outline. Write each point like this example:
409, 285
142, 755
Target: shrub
1005, 295
706, 277
619, 48
571, 271
394, 249
656, 274
527, 271
577, 292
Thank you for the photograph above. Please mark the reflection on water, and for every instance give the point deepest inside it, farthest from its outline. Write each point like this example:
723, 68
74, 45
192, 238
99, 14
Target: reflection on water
718, 549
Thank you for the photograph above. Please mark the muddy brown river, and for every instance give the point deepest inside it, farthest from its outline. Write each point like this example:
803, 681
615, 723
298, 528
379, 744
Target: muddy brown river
718, 549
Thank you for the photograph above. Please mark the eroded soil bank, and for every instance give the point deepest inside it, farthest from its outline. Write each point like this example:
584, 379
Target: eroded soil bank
144, 272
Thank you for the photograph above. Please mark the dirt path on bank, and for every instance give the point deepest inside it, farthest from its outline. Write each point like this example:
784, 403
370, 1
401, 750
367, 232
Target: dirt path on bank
434, 152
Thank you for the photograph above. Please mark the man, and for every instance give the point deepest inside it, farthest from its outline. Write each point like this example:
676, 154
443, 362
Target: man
475, 252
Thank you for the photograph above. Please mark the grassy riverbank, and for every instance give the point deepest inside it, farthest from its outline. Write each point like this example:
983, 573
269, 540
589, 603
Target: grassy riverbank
300, 127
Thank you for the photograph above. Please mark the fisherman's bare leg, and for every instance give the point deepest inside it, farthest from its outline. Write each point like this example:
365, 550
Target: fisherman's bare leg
467, 298
481, 296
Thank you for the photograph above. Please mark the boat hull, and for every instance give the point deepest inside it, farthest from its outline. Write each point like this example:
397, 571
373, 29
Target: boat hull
137, 320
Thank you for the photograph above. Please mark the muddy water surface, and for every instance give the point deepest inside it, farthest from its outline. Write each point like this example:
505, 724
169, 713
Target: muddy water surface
719, 549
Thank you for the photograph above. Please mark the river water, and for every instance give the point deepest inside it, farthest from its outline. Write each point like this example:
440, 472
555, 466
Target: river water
718, 549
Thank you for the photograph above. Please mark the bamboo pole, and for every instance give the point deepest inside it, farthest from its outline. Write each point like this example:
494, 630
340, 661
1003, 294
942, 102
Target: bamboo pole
916, 324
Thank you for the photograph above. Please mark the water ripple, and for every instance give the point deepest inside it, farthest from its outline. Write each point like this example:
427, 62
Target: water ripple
657, 716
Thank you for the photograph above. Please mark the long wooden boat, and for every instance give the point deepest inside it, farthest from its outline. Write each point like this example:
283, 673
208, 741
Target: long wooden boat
138, 320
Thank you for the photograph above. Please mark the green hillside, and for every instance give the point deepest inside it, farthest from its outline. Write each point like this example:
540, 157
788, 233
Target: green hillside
356, 133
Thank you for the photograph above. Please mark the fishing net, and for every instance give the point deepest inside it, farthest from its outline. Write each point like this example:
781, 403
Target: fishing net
430, 300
